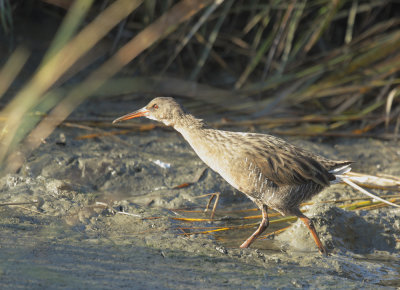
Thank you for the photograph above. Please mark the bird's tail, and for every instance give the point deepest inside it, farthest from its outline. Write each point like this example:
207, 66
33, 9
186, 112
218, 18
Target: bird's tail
339, 171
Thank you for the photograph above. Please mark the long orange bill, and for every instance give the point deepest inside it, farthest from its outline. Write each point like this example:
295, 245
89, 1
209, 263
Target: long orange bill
139, 113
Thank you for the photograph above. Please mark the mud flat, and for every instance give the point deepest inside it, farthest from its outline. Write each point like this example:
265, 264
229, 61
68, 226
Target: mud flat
77, 237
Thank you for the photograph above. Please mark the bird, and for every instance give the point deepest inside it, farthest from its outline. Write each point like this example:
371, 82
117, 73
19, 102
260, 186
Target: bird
270, 171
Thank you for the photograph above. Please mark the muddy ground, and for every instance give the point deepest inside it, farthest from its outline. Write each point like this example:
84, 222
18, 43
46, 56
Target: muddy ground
104, 219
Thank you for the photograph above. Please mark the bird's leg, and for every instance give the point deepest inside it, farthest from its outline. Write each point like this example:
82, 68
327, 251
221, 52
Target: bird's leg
310, 226
261, 228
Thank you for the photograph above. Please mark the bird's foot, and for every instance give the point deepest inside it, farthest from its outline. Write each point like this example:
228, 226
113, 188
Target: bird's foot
261, 228
246, 244
323, 251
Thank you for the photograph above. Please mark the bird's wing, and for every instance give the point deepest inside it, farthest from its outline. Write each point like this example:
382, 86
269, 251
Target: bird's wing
285, 164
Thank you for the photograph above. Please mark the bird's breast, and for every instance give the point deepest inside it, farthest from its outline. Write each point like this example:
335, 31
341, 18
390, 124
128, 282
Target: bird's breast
217, 152
238, 171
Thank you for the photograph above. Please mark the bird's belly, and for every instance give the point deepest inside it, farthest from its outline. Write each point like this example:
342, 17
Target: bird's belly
234, 173
242, 173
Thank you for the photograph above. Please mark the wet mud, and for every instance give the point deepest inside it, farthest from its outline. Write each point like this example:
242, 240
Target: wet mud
105, 208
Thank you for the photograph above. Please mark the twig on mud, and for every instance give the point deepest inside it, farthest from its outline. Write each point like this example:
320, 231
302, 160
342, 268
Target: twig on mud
107, 206
100, 133
130, 214
20, 203
35, 211
196, 179
273, 233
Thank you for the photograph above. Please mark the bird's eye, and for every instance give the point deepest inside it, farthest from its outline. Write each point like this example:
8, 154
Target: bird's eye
155, 106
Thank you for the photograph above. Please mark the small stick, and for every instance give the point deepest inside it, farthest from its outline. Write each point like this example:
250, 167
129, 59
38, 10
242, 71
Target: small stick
130, 214
18, 203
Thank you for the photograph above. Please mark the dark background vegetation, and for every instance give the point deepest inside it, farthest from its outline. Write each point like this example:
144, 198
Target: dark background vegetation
314, 68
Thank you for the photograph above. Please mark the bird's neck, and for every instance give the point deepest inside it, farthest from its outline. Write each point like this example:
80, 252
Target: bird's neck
209, 144
188, 124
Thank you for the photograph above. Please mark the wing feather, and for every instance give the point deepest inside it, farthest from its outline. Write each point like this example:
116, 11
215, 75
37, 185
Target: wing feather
286, 164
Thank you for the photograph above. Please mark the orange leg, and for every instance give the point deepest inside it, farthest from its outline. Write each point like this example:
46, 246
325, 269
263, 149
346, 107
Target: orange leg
314, 234
261, 228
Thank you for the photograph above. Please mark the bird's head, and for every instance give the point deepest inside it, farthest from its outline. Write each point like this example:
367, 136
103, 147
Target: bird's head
162, 109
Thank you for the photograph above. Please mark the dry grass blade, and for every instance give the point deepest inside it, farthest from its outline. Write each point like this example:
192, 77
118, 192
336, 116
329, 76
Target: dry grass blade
70, 25
192, 219
322, 23
377, 182
60, 3
262, 49
220, 211
159, 29
55, 67
140, 128
171, 86
274, 233
6, 18
361, 205
357, 205
345, 61
350, 22
12, 68
355, 186
369, 205
192, 32
213, 36
277, 39
226, 228
293, 25
196, 179
393, 93
19, 203
364, 205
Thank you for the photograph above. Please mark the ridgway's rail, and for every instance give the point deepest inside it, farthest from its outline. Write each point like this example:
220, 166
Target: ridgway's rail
270, 171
